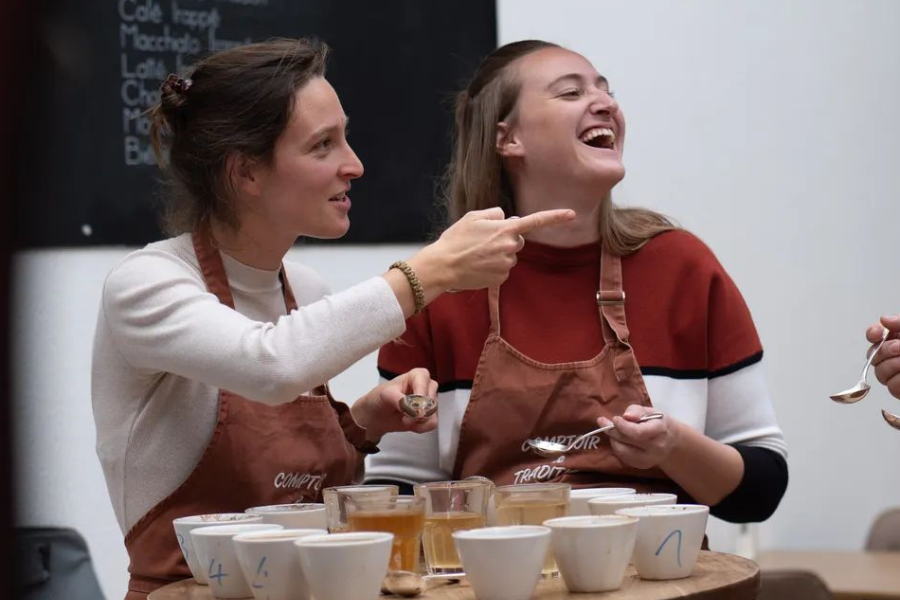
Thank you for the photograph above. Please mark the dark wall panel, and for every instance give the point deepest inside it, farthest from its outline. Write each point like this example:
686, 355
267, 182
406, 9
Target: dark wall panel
88, 168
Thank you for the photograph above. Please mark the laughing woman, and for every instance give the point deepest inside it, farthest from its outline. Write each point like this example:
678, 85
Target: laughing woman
614, 315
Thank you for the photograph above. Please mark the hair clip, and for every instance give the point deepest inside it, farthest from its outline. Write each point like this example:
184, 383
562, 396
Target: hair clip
174, 83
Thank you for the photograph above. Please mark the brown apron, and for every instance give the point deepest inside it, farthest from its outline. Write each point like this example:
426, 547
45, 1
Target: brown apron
515, 398
259, 454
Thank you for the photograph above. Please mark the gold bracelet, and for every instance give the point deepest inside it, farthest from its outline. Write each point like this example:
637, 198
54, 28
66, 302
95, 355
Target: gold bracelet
418, 292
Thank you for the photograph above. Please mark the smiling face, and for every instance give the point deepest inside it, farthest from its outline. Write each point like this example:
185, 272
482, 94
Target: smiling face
566, 130
303, 189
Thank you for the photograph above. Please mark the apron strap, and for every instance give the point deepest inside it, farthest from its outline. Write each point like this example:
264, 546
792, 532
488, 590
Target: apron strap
494, 306
211, 265
611, 304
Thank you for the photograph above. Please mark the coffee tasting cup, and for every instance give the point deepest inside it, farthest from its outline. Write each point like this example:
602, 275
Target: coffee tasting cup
669, 539
592, 552
184, 525
503, 563
269, 563
293, 516
345, 566
215, 551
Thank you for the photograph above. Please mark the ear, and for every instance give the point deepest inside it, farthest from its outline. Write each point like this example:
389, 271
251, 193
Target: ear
508, 144
244, 173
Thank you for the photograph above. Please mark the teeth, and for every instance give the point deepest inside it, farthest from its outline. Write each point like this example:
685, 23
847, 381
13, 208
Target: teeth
597, 132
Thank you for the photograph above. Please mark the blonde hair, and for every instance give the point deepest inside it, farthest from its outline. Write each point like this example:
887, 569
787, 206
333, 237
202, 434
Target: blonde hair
476, 179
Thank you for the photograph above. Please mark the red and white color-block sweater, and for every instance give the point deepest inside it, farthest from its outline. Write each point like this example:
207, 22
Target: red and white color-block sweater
690, 328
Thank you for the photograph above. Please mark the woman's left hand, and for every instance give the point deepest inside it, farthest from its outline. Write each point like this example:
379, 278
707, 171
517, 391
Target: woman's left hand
379, 410
641, 445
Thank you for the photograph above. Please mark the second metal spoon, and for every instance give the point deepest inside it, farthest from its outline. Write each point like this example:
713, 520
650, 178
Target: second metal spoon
548, 448
861, 389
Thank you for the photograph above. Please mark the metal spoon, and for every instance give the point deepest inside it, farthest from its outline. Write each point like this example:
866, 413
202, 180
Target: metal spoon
418, 406
891, 419
547, 448
409, 584
861, 389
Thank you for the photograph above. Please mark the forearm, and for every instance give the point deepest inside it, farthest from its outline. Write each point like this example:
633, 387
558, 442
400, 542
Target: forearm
706, 469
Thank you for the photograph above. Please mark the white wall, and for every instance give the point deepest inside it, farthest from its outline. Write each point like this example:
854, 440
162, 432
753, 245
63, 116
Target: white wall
769, 128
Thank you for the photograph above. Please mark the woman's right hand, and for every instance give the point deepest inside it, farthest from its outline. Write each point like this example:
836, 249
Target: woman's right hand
479, 250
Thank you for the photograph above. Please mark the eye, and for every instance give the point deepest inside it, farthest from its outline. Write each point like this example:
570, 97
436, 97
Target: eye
571, 93
324, 144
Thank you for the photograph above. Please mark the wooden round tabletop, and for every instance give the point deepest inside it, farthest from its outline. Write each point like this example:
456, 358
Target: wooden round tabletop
717, 576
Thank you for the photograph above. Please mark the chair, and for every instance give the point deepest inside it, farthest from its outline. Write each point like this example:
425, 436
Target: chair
789, 584
885, 531
52, 563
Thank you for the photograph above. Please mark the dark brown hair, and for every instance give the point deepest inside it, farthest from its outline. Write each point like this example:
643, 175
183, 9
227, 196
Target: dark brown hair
238, 100
476, 178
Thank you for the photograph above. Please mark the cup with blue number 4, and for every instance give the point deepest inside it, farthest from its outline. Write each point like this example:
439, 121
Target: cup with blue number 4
269, 562
184, 526
215, 551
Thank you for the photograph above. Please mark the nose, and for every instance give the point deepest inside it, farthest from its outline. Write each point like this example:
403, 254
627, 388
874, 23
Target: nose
352, 167
604, 104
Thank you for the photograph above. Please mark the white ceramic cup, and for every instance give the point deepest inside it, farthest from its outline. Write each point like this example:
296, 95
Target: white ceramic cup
668, 540
345, 566
578, 499
503, 563
215, 551
268, 560
593, 552
608, 505
293, 516
184, 525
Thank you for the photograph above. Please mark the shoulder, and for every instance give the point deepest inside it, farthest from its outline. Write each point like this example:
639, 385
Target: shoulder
155, 265
677, 248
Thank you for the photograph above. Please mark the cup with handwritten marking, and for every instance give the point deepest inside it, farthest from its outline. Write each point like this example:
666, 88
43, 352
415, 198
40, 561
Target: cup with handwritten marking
336, 501
578, 499
345, 566
184, 525
593, 552
669, 538
503, 563
215, 550
269, 562
532, 504
293, 516
450, 506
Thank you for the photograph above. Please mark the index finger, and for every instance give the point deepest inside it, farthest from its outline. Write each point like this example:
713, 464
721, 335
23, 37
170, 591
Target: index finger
873, 333
891, 322
540, 219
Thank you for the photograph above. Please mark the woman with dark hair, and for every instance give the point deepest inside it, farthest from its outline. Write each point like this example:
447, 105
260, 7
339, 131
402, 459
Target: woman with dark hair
604, 319
212, 353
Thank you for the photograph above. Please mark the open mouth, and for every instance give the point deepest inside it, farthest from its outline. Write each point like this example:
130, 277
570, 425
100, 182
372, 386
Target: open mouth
342, 197
599, 137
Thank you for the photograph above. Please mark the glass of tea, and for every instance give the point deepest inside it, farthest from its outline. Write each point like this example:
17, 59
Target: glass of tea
450, 506
532, 504
404, 516
335, 499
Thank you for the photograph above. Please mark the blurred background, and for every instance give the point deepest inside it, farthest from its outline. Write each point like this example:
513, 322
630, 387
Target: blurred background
768, 128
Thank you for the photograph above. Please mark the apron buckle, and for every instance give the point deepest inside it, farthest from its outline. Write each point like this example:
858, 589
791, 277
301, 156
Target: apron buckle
609, 298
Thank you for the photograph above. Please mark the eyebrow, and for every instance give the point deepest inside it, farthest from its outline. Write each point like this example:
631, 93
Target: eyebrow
330, 128
601, 80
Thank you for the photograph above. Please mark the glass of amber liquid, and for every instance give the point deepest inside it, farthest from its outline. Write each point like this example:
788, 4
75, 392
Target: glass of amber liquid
404, 516
532, 504
336, 497
450, 506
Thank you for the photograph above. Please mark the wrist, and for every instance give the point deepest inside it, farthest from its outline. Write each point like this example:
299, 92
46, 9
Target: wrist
433, 270
362, 414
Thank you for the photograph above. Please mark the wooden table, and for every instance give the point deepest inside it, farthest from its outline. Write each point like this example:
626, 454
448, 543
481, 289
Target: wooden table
849, 575
716, 577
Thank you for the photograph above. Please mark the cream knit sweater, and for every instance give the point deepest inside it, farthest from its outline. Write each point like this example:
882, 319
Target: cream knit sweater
164, 346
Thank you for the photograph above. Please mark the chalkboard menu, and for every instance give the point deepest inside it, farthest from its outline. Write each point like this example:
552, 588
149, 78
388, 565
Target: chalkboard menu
90, 175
